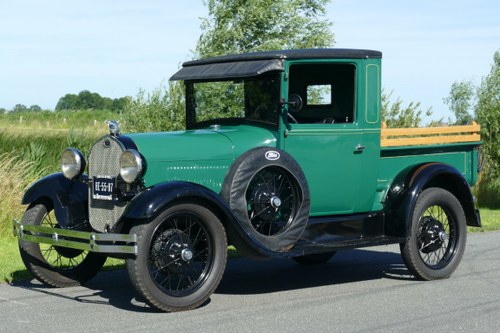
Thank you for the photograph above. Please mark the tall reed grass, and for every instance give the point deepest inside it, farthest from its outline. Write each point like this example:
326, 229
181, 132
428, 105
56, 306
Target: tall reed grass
28, 155
15, 175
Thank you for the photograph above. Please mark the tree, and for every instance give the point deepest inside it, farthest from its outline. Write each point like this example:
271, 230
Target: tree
19, 108
488, 116
119, 104
234, 26
67, 102
88, 100
35, 108
394, 114
460, 101
237, 26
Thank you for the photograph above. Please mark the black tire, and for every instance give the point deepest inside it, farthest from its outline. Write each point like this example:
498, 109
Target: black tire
438, 235
52, 265
314, 259
181, 258
268, 193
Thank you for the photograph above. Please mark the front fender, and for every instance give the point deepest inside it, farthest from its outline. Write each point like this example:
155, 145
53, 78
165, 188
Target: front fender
148, 204
399, 208
69, 198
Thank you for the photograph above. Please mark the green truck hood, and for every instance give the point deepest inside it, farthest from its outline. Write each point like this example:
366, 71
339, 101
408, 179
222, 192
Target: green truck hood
202, 156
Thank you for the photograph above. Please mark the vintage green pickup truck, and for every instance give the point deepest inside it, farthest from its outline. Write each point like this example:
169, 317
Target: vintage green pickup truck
284, 155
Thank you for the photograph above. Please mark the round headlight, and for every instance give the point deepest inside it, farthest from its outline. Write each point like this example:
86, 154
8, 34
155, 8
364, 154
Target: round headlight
130, 165
72, 163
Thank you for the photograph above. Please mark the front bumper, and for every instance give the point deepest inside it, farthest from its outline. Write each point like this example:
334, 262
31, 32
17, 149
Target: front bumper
80, 240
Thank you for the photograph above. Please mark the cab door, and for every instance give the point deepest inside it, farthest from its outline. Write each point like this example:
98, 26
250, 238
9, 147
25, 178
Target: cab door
337, 152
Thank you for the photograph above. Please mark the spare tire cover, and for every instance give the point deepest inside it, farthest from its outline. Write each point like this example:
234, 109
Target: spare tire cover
268, 193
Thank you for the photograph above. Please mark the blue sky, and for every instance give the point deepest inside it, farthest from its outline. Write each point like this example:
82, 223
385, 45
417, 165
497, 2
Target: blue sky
51, 48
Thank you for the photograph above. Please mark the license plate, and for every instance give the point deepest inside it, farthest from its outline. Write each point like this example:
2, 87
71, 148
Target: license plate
102, 188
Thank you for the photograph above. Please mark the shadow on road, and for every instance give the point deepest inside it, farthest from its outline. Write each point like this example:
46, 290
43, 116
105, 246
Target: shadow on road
244, 277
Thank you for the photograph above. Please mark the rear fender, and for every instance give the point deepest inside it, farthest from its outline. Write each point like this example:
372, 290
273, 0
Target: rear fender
403, 195
69, 198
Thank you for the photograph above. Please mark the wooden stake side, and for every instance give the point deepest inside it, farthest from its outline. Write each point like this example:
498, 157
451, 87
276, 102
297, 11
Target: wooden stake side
391, 137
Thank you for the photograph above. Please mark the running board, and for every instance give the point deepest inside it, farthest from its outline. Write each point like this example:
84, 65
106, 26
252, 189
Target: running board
307, 247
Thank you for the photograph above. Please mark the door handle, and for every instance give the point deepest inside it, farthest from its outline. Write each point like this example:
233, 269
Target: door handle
359, 148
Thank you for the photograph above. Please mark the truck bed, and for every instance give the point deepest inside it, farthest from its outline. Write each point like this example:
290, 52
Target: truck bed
405, 148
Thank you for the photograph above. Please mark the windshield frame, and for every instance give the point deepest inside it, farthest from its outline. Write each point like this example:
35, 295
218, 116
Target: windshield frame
276, 105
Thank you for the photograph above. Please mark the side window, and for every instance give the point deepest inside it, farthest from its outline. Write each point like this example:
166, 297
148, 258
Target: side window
328, 92
319, 94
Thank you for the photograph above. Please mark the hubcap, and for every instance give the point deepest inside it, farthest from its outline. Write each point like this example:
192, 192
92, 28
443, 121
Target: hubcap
186, 254
275, 202
433, 235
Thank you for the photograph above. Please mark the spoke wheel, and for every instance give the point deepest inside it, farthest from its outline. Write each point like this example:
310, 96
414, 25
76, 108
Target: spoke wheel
273, 199
438, 235
182, 256
54, 265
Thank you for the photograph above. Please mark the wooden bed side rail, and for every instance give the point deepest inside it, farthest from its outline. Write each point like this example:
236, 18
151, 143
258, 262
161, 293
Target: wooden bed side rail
429, 135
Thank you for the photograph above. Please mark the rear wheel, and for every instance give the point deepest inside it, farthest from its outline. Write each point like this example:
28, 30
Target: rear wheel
438, 235
181, 257
53, 265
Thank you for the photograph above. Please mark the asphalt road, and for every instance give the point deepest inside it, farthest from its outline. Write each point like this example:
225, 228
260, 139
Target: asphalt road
367, 290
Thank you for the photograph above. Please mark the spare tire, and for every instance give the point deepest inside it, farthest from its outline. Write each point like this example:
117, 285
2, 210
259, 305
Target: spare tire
268, 193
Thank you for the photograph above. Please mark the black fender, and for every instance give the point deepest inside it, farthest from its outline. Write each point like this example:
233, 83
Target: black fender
148, 204
407, 187
69, 198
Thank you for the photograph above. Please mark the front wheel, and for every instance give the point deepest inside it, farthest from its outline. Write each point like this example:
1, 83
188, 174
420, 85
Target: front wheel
53, 265
438, 235
181, 257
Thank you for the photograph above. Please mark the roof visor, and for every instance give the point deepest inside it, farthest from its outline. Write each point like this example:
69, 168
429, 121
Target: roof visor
228, 70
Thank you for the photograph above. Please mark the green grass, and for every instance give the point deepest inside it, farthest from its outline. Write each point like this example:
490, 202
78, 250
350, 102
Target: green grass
490, 220
11, 265
82, 119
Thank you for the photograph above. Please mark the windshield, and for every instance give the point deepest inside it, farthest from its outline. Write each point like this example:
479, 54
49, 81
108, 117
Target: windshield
233, 102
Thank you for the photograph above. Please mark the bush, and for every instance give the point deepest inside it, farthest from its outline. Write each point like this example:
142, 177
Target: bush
161, 110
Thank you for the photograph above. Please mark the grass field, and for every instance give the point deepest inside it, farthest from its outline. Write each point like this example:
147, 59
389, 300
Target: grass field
84, 119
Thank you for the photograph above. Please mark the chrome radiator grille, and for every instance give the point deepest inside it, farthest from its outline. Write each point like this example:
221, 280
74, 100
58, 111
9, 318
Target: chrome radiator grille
104, 162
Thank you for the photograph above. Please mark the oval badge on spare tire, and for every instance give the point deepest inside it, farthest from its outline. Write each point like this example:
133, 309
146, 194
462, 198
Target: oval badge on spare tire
272, 155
